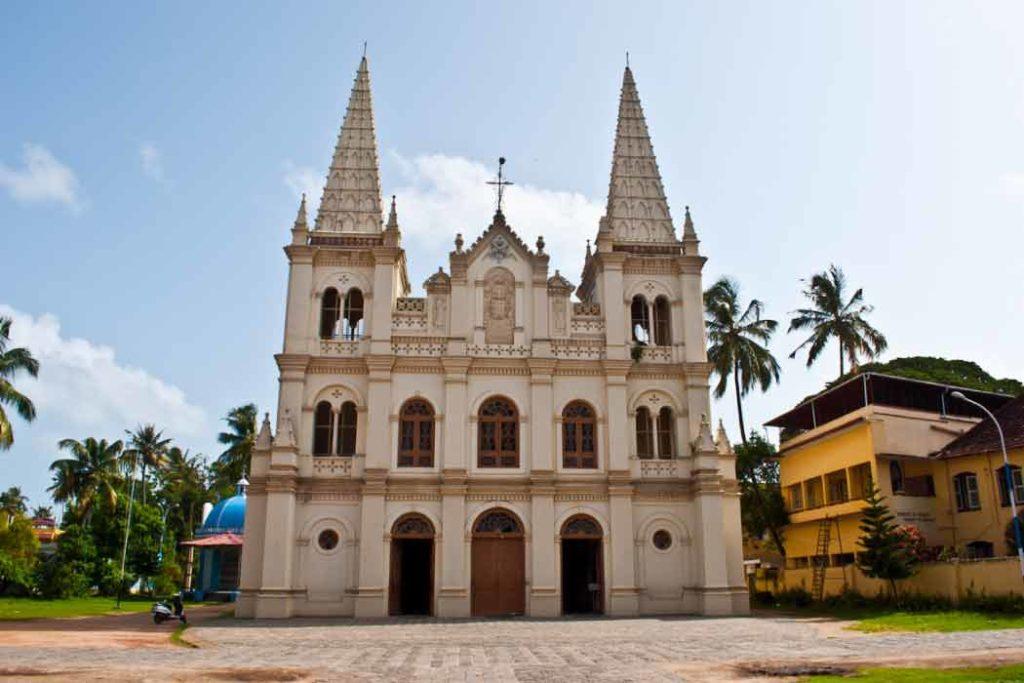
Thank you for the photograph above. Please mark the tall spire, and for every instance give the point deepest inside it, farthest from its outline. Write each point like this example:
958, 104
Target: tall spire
351, 199
637, 209
300, 229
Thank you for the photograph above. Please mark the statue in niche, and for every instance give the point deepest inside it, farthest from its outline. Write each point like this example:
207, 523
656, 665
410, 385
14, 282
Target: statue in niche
439, 312
560, 316
499, 306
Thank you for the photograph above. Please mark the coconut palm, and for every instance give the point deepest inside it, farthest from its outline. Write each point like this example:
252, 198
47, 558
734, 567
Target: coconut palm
834, 316
13, 361
146, 444
13, 502
42, 512
183, 487
89, 476
738, 337
239, 439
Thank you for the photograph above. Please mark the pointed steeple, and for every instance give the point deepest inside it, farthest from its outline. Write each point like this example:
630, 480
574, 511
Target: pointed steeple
351, 199
691, 245
722, 440
264, 439
300, 229
393, 215
637, 209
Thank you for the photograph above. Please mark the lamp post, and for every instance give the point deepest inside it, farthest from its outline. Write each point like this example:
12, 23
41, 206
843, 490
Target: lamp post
1007, 474
127, 528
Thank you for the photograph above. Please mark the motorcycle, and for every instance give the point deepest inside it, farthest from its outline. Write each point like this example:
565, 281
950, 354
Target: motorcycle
174, 609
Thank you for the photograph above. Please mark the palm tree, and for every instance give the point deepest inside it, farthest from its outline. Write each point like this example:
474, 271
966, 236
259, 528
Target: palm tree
11, 362
13, 502
832, 316
183, 487
738, 343
42, 512
89, 476
148, 445
240, 439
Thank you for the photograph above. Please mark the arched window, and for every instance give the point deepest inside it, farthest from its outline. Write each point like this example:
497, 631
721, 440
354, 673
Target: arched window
1004, 490
666, 434
347, 429
965, 485
498, 444
644, 433
416, 434
330, 310
896, 476
579, 436
323, 423
353, 314
640, 320
662, 322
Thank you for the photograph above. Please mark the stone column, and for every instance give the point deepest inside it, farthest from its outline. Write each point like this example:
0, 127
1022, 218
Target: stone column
623, 595
298, 338
613, 307
544, 592
275, 594
378, 326
453, 598
371, 595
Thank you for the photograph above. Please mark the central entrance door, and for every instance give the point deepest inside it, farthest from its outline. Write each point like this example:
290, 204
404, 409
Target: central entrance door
498, 565
411, 585
582, 566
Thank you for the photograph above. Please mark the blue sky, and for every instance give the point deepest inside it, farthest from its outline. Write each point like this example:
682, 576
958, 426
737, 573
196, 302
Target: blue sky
152, 156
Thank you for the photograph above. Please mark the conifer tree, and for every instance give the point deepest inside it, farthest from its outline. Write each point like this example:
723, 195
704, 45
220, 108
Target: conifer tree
886, 554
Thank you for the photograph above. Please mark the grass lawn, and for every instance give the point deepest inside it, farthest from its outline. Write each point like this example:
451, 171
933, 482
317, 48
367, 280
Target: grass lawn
34, 608
1006, 673
938, 621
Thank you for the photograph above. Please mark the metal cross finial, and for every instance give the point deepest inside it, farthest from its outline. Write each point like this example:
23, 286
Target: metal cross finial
364, 49
627, 59
500, 182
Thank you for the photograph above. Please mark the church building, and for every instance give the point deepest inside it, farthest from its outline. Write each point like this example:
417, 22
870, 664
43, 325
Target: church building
509, 443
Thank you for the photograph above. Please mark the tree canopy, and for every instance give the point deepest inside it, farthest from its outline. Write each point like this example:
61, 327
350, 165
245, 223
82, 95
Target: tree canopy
961, 373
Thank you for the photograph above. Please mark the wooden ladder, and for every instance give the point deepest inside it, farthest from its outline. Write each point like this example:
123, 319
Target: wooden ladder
821, 558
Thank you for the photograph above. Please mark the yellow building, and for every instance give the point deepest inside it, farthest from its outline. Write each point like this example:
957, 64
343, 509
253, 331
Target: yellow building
871, 428
974, 491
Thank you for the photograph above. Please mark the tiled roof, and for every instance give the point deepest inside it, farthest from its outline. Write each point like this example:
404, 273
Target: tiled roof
983, 438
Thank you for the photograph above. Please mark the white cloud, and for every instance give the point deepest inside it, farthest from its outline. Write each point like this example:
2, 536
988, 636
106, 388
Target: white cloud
82, 390
1012, 185
152, 161
303, 179
42, 179
441, 195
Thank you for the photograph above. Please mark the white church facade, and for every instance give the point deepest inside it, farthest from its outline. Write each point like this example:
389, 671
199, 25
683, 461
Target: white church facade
499, 445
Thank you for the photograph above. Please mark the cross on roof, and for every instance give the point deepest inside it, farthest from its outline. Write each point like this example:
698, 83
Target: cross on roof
500, 182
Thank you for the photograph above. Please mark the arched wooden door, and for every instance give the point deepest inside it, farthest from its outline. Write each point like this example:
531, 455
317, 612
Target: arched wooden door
582, 566
498, 565
411, 582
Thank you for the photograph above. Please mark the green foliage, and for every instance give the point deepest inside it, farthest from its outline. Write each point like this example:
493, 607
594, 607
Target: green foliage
738, 340
240, 438
886, 554
18, 550
908, 675
762, 507
12, 362
833, 316
13, 502
89, 477
793, 597
68, 572
961, 373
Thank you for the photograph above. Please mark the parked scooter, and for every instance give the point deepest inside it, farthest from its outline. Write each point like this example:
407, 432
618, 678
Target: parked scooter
173, 609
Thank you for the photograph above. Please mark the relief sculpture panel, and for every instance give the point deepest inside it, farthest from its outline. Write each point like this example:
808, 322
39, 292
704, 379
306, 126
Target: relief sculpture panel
499, 306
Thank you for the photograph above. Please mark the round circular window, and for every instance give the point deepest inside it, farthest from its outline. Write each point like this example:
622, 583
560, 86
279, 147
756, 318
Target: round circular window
328, 539
662, 539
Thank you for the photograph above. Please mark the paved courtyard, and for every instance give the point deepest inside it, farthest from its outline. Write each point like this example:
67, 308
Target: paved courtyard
648, 649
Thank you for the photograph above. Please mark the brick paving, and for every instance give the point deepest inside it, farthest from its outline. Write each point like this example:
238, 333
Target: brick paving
598, 649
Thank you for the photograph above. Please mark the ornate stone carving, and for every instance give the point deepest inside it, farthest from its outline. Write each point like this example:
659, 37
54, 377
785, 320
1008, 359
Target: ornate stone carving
499, 249
499, 305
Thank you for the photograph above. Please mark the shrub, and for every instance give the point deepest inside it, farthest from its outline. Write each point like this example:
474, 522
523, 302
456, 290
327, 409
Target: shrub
793, 597
762, 598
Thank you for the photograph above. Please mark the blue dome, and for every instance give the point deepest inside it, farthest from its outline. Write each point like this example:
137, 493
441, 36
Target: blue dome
226, 516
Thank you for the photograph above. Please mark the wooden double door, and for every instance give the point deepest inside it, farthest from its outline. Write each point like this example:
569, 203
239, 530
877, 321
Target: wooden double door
498, 585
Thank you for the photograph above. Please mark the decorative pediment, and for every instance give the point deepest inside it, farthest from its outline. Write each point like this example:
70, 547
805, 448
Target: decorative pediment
438, 282
498, 243
557, 283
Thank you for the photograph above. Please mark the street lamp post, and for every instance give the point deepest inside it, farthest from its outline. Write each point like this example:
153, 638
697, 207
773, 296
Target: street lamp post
1007, 475
127, 528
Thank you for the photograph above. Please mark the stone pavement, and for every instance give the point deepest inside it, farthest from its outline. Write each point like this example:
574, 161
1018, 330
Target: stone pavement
583, 649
